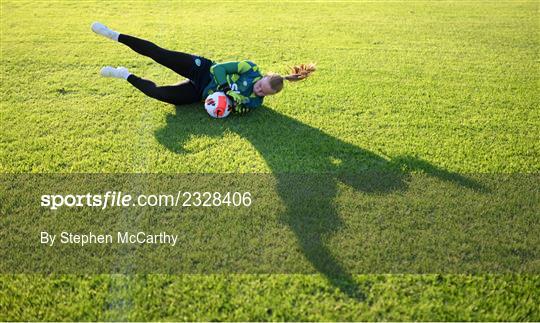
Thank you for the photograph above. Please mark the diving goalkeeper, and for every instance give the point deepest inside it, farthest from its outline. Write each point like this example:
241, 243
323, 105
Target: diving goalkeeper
242, 81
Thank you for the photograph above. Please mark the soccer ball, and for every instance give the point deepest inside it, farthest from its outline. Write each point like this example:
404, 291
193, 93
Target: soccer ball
218, 105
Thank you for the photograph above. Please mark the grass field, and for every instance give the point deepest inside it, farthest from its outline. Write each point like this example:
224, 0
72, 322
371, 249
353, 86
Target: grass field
442, 87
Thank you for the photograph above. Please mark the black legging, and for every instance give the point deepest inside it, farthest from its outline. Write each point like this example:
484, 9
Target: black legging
195, 68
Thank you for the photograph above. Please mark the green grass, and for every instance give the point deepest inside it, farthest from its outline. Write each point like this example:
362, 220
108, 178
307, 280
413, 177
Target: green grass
443, 88
268, 297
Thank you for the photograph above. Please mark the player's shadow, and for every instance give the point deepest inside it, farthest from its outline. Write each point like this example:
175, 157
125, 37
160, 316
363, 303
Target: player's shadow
292, 147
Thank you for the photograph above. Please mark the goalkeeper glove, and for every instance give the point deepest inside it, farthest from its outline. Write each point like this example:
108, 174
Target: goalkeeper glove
234, 96
241, 109
224, 88
237, 97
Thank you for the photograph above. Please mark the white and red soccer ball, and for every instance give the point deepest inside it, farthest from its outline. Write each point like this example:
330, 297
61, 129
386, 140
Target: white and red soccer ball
218, 105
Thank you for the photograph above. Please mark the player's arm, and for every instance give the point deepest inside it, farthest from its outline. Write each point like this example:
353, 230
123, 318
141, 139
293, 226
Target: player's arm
220, 71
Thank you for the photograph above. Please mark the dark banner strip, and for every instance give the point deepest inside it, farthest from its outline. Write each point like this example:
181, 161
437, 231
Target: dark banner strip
335, 224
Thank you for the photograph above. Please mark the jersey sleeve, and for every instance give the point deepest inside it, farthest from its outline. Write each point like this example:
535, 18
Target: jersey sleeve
220, 71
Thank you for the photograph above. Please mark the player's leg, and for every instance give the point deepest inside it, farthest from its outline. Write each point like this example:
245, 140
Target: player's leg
182, 63
182, 93
179, 62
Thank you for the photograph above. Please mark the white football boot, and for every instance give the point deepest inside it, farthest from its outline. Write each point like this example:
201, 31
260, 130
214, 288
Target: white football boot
103, 30
116, 72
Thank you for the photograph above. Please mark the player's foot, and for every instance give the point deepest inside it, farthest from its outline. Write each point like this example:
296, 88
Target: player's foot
117, 72
103, 30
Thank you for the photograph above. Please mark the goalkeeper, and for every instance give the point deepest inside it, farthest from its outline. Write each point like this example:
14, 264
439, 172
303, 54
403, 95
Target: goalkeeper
241, 81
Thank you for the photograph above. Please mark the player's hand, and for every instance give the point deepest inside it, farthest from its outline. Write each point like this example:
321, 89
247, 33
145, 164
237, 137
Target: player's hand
240, 109
237, 97
224, 88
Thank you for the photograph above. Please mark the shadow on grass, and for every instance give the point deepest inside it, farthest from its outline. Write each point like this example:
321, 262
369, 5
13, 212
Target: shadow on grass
292, 147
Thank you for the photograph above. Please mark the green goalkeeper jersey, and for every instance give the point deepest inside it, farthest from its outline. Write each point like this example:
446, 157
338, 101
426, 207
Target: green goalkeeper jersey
241, 76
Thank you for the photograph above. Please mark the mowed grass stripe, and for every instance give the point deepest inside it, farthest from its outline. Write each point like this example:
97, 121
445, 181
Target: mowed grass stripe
269, 297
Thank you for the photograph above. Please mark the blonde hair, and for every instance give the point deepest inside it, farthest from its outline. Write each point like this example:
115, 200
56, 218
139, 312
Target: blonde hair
298, 73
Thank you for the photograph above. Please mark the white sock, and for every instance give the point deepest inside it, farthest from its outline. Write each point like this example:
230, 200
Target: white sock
103, 30
119, 72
